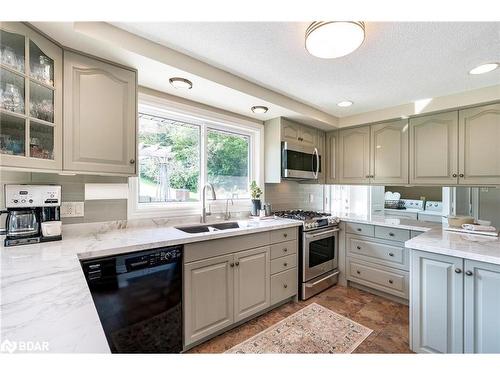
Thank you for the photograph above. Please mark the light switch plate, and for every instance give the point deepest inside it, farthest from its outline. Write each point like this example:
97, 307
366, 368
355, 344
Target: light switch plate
72, 209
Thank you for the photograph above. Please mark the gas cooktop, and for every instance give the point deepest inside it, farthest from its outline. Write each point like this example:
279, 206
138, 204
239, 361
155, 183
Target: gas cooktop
311, 219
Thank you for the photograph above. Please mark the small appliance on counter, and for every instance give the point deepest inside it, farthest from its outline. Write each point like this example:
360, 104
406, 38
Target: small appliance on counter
33, 214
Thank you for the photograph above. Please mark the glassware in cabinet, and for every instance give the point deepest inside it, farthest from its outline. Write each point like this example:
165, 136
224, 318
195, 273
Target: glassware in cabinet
12, 134
12, 50
41, 102
41, 66
11, 91
41, 141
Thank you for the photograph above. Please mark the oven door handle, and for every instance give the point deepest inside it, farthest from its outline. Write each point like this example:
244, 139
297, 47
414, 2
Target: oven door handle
316, 153
326, 233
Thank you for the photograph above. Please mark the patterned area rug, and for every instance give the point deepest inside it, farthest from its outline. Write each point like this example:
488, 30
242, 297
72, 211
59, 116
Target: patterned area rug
314, 329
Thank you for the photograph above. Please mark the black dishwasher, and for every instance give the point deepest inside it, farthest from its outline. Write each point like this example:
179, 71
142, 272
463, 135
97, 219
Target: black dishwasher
138, 297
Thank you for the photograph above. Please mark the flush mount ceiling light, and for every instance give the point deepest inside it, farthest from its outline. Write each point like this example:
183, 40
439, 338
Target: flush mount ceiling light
485, 68
331, 39
259, 109
345, 103
181, 83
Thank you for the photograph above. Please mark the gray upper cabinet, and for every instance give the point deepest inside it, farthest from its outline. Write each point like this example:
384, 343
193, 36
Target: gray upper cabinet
482, 307
434, 149
354, 155
31, 99
100, 116
389, 152
436, 303
209, 305
330, 157
479, 150
298, 133
251, 282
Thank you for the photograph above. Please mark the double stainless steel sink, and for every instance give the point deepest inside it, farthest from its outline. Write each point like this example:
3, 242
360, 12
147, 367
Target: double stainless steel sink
202, 228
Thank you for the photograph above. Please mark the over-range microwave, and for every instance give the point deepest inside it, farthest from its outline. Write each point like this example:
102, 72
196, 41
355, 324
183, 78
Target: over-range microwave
300, 162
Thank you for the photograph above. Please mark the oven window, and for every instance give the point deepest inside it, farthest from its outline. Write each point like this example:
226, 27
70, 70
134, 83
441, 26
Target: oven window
321, 251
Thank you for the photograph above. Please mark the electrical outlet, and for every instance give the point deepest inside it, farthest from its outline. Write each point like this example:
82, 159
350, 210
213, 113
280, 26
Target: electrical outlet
72, 209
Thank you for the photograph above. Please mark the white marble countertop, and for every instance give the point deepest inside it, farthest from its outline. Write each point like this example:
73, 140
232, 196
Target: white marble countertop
468, 246
388, 221
43, 293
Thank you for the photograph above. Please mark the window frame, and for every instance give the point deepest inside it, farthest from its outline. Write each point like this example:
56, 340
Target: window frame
207, 119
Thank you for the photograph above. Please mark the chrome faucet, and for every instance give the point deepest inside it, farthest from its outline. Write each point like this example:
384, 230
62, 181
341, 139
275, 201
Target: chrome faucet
204, 213
227, 214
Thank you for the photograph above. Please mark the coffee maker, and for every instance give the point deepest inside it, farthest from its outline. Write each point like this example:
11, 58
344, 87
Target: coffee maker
33, 214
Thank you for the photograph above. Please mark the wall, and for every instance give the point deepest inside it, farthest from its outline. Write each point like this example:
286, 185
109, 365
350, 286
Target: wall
431, 193
290, 195
73, 190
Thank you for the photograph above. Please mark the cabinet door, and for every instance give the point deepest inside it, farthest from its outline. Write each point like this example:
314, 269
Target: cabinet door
482, 307
436, 303
308, 136
479, 148
434, 149
252, 288
31, 108
290, 131
354, 155
208, 297
100, 116
389, 152
331, 157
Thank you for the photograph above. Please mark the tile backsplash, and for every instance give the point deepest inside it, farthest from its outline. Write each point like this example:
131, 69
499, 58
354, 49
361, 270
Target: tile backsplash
294, 195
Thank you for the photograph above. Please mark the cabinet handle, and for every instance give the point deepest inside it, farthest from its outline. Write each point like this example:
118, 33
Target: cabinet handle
231, 264
285, 235
358, 247
237, 264
390, 281
461, 175
358, 272
285, 249
458, 270
285, 286
359, 229
132, 161
367, 176
391, 254
468, 273
285, 264
454, 175
391, 234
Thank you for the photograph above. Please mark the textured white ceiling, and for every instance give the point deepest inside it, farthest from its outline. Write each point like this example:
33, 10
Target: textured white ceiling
398, 62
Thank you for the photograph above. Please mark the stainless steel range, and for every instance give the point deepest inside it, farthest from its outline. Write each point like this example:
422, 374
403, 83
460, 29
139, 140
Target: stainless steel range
318, 248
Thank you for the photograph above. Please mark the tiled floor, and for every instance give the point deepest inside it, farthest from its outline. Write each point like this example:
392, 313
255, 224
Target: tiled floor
389, 321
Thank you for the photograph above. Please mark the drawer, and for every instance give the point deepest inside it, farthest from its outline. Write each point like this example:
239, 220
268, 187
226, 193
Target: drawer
284, 248
362, 229
392, 234
382, 252
282, 235
283, 263
415, 233
283, 285
378, 277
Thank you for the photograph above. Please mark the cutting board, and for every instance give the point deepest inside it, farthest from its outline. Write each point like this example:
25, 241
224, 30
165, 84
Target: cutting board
462, 230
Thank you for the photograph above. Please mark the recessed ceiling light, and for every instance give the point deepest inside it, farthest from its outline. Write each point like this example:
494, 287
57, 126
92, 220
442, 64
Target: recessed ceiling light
485, 68
345, 103
181, 83
259, 109
331, 39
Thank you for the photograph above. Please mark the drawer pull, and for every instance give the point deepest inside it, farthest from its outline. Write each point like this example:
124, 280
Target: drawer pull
285, 286
391, 282
285, 235
285, 249
358, 272
285, 264
391, 254
391, 234
358, 247
359, 229
458, 270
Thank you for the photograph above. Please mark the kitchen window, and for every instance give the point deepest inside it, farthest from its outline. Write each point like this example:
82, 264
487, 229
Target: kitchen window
180, 150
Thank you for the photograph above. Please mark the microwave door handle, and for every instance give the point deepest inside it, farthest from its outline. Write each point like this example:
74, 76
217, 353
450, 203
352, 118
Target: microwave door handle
316, 153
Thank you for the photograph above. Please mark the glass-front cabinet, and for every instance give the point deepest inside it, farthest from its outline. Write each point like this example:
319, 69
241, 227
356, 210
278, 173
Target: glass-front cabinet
30, 99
